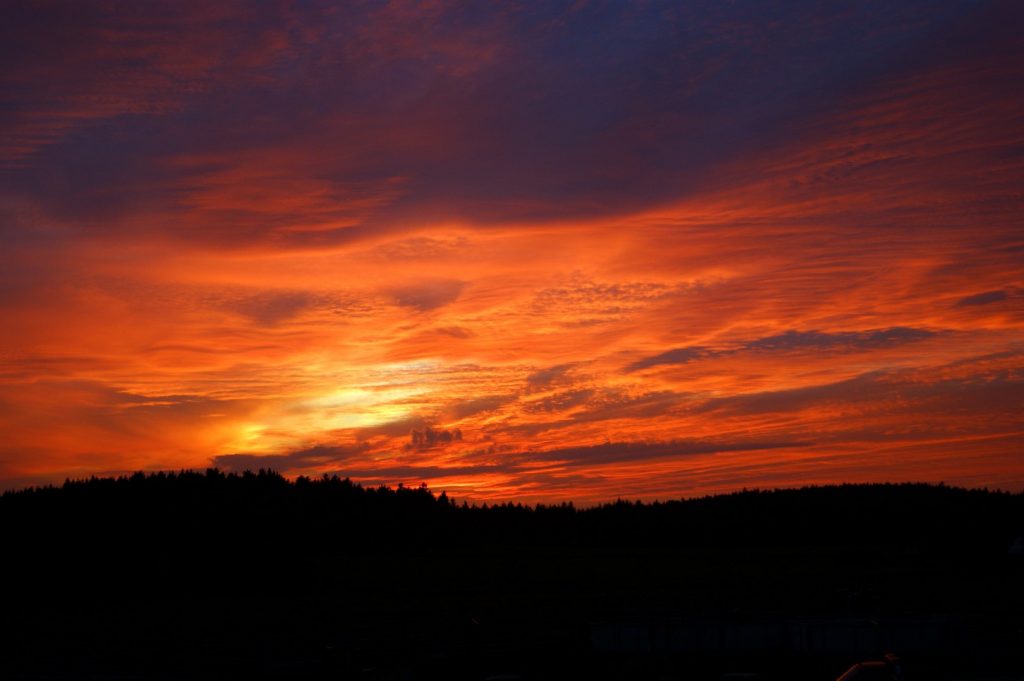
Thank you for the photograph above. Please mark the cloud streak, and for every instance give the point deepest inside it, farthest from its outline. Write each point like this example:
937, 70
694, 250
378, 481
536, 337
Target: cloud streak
793, 341
621, 249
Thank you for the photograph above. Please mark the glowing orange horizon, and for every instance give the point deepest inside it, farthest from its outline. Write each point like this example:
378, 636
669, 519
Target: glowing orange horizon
845, 303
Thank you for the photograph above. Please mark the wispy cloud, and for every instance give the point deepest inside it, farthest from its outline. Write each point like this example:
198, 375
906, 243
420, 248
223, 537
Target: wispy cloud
617, 248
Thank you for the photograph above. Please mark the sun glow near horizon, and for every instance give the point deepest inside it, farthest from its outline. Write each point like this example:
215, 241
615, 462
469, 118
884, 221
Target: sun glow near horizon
713, 251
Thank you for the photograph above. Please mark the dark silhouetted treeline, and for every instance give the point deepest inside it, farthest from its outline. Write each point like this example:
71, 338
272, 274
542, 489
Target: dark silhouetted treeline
264, 510
218, 576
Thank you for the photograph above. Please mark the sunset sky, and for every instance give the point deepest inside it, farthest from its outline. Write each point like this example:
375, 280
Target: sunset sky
517, 251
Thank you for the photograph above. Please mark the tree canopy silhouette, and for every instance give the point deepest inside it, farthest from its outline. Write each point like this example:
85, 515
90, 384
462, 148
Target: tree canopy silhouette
264, 510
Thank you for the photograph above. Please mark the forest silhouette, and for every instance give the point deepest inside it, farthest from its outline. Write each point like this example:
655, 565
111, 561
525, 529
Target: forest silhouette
215, 575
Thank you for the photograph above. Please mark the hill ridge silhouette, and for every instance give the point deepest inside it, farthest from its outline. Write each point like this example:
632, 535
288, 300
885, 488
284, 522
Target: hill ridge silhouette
214, 575
217, 507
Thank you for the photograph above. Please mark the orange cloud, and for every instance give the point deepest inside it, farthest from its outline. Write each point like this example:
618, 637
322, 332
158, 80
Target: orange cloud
647, 302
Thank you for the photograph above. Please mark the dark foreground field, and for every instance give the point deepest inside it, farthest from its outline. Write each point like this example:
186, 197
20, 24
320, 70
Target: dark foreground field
207, 576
